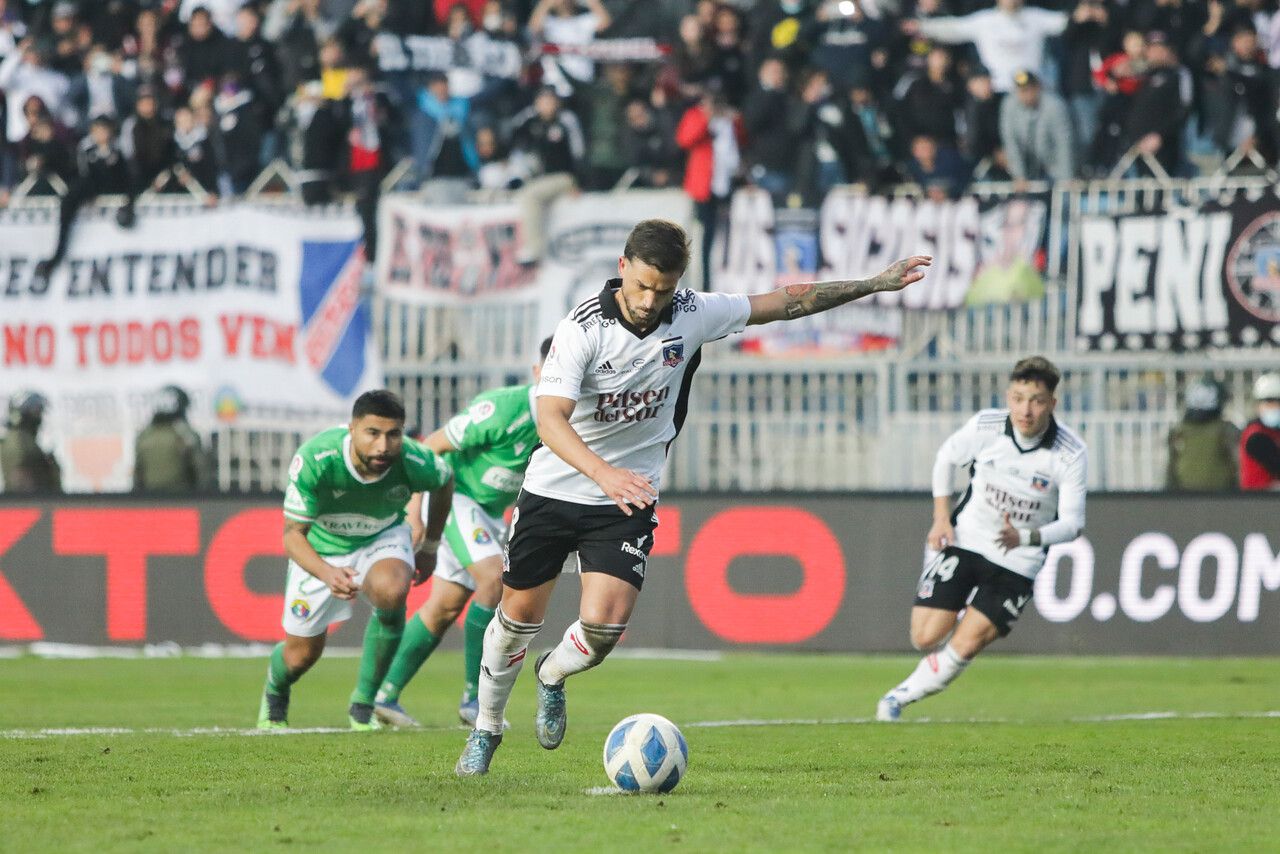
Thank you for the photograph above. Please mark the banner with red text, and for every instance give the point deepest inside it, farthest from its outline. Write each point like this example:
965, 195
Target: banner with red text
1157, 574
256, 312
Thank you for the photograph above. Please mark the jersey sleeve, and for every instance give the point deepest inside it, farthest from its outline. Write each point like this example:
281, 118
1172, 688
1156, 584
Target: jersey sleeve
722, 314
475, 426
427, 471
959, 449
300, 503
567, 361
1071, 496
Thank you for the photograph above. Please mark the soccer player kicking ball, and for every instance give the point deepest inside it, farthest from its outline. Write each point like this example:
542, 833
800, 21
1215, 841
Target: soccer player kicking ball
344, 533
1026, 492
613, 395
488, 445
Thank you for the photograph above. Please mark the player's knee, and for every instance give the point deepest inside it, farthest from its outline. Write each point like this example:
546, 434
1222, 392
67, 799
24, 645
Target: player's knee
601, 638
926, 638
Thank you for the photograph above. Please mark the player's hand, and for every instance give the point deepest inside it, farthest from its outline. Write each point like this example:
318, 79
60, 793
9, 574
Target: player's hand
941, 534
627, 489
342, 582
424, 563
1008, 538
903, 273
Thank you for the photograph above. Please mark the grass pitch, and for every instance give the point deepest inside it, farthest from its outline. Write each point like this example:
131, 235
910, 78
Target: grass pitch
1021, 754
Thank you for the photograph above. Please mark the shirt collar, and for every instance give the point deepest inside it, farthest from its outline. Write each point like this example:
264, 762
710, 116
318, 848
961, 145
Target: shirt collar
610, 310
1046, 441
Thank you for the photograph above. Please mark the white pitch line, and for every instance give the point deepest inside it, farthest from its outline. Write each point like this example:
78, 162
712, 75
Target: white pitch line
742, 722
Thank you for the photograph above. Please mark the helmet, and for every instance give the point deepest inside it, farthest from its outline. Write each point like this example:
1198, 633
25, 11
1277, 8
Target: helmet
1267, 387
172, 402
27, 407
1205, 399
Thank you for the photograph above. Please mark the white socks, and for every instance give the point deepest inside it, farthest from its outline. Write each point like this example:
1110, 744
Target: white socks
935, 671
505, 644
583, 646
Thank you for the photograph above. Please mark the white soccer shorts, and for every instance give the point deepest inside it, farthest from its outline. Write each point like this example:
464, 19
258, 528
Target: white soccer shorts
310, 606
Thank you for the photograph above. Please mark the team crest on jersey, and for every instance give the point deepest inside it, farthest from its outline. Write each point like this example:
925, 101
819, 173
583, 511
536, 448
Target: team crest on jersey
481, 536
300, 608
335, 321
672, 352
1039, 482
398, 494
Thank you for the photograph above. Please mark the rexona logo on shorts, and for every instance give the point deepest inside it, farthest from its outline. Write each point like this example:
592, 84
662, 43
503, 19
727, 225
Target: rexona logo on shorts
353, 524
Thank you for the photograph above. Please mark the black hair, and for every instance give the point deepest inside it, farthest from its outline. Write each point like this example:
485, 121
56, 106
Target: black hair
660, 243
379, 402
1036, 369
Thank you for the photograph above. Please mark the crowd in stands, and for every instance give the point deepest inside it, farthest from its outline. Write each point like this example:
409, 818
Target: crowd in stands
794, 96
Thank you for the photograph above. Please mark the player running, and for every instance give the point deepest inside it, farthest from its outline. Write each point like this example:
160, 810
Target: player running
344, 533
613, 395
1026, 492
488, 445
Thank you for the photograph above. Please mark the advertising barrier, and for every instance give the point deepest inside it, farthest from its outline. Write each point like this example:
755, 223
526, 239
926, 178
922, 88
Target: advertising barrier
1153, 574
256, 312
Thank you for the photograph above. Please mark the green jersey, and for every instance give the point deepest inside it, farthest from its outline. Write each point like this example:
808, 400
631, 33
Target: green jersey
495, 437
346, 511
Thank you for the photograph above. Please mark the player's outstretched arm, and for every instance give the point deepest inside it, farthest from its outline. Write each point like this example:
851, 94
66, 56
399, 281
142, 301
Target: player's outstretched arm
806, 298
625, 487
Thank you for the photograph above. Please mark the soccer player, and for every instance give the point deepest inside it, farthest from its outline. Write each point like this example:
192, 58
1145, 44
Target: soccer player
344, 533
488, 445
1026, 492
613, 395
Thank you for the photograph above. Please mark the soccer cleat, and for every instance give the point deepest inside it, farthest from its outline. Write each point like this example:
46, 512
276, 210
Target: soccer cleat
550, 721
393, 715
478, 753
361, 718
469, 711
888, 709
273, 713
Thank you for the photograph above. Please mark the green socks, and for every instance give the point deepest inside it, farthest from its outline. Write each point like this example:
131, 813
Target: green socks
417, 644
381, 637
478, 617
279, 679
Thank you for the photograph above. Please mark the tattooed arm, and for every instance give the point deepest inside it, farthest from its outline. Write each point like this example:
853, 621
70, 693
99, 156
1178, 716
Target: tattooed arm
802, 300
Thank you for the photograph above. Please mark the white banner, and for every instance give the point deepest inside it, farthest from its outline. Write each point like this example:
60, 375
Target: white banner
585, 238
443, 255
256, 312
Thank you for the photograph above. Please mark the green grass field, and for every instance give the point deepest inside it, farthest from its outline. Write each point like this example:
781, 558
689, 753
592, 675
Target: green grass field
1016, 757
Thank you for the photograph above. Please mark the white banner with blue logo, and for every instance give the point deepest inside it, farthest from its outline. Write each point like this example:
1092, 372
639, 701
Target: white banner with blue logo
256, 311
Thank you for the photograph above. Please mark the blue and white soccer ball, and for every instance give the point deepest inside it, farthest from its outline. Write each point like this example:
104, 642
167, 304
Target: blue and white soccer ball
645, 753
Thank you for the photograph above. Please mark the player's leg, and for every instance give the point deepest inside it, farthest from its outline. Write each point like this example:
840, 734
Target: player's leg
613, 554
943, 589
422, 633
290, 658
386, 585
542, 535
486, 574
309, 610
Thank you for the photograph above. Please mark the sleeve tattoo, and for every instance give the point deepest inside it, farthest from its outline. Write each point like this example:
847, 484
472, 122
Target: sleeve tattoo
814, 297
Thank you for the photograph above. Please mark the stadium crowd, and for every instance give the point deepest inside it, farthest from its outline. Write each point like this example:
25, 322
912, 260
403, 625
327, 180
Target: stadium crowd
792, 95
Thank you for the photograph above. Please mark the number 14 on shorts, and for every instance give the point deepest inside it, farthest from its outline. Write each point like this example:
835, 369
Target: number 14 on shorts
941, 568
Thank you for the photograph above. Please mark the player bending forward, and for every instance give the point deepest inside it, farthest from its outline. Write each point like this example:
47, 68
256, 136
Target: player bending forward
1026, 492
344, 533
488, 446
613, 395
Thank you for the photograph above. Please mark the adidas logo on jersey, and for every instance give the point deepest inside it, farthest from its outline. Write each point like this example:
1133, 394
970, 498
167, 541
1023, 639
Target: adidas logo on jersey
605, 369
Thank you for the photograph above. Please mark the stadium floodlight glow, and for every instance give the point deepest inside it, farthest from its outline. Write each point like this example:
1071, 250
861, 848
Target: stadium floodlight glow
847, 7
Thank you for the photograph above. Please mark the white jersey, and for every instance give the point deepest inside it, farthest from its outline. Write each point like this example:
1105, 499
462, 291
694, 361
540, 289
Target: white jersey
1041, 487
631, 389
